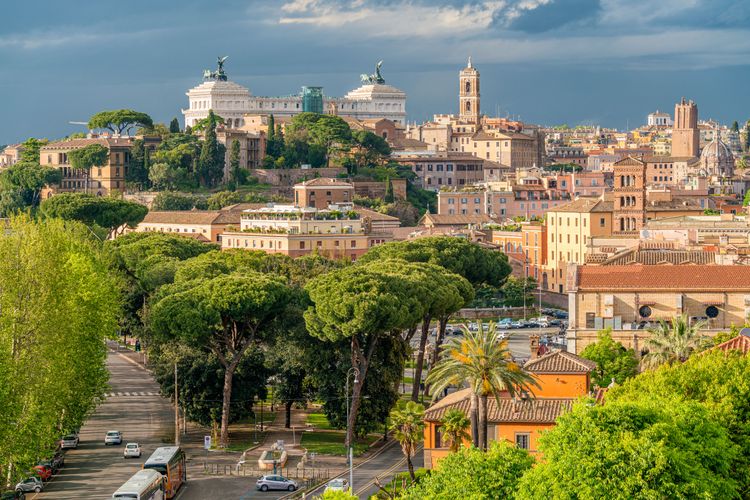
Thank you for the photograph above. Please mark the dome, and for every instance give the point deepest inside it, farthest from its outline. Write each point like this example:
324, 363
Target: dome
717, 159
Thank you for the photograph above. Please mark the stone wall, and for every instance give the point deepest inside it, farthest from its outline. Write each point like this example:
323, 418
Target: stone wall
291, 176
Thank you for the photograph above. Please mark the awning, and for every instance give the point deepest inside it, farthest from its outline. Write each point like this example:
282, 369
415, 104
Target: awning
646, 302
712, 302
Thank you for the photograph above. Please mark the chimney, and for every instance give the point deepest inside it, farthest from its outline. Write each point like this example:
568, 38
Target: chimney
534, 346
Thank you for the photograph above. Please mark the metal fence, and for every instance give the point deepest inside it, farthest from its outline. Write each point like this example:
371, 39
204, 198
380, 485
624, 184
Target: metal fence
301, 474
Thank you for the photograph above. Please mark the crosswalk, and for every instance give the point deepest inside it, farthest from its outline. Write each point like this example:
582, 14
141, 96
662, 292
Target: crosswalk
130, 394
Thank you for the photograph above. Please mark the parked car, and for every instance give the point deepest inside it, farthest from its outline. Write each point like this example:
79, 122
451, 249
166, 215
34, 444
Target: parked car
44, 471
132, 450
337, 484
12, 495
554, 322
450, 329
30, 484
504, 323
473, 327
516, 324
271, 482
55, 463
113, 437
502, 335
69, 441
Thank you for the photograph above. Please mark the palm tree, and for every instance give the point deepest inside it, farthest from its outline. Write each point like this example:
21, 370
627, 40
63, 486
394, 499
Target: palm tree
455, 425
485, 363
407, 424
671, 343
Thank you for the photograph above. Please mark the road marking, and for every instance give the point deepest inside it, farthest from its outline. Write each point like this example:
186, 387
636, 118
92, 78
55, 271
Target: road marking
386, 473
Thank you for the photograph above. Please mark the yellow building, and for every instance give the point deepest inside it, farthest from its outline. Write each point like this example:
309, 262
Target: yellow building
569, 229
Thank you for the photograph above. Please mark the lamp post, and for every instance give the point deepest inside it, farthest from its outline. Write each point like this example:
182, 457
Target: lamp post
350, 451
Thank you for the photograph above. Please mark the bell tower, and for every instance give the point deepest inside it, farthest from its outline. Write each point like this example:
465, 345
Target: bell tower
468, 94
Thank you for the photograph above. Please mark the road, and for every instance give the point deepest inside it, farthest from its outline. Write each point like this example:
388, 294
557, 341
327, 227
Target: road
134, 407
388, 461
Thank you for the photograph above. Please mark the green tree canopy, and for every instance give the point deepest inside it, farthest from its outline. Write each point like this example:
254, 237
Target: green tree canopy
119, 121
224, 315
30, 150
174, 126
517, 291
673, 342
173, 200
22, 183
715, 379
58, 305
360, 304
111, 213
630, 450
613, 361
471, 473
455, 428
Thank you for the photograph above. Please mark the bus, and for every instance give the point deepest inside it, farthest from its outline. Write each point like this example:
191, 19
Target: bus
170, 461
144, 485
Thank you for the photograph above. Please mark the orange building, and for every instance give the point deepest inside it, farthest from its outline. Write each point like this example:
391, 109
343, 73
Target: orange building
563, 377
321, 192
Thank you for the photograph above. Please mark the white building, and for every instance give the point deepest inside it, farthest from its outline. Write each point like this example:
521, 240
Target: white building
373, 100
659, 119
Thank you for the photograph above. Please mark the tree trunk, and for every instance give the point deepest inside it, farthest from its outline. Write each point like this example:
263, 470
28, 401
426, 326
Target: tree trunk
228, 375
442, 321
473, 416
411, 467
288, 419
361, 362
483, 422
417, 379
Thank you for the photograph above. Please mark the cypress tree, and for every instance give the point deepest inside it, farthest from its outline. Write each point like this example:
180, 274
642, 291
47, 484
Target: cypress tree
174, 126
211, 161
388, 198
278, 141
270, 139
234, 164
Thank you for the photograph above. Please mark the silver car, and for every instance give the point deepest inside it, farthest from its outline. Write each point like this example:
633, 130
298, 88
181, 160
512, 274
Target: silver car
337, 484
272, 482
113, 437
30, 484
69, 441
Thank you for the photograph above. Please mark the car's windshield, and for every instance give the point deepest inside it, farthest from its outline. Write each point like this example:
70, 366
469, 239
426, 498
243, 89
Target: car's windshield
113, 433
69, 436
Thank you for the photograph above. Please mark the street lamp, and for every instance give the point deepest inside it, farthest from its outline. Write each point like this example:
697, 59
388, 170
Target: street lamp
350, 436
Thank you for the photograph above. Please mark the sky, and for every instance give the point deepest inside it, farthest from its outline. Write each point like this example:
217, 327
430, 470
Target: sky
607, 62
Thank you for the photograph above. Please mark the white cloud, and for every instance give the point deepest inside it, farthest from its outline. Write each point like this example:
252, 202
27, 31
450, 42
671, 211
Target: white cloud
395, 20
71, 37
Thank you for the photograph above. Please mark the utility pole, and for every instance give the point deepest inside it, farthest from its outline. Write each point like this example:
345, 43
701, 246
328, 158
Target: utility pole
176, 409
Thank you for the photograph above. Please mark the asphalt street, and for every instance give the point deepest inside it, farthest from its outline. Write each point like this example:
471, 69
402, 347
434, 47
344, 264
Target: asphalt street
133, 407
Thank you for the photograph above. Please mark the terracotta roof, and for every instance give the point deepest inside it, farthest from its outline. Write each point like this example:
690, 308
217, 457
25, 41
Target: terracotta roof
630, 161
739, 343
326, 181
559, 362
661, 256
80, 143
182, 217
506, 410
445, 220
373, 215
585, 205
695, 277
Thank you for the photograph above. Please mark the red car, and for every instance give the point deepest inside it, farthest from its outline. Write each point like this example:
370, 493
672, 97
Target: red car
43, 471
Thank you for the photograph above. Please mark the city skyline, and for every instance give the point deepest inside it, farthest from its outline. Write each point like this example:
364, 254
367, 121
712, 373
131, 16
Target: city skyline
547, 62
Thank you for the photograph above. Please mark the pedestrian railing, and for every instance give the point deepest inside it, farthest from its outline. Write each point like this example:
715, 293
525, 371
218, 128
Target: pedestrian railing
301, 474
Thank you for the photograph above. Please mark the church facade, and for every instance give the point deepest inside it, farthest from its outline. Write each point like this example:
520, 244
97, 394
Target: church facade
374, 99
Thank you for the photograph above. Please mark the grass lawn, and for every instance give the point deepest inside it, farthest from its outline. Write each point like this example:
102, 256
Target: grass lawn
240, 445
332, 443
318, 421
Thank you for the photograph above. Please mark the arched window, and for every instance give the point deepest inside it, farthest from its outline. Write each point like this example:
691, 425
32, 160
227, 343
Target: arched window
468, 105
468, 87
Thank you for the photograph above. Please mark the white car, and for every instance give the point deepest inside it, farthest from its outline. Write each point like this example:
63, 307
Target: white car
132, 450
337, 485
113, 437
69, 441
